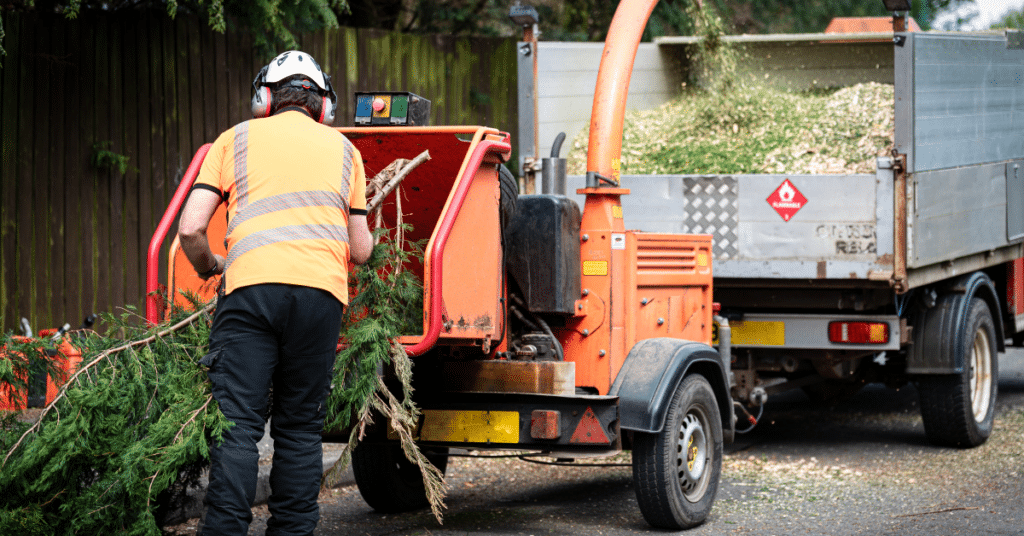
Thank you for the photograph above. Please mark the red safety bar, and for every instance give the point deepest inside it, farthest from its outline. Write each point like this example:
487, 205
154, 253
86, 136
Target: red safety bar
435, 306
434, 320
153, 256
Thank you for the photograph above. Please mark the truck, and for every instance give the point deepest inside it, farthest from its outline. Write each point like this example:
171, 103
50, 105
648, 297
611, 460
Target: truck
910, 275
546, 328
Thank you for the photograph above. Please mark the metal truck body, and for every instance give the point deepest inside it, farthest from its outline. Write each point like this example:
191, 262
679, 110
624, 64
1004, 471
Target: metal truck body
910, 274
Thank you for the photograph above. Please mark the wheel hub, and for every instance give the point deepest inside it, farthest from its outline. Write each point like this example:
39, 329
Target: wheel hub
692, 460
981, 375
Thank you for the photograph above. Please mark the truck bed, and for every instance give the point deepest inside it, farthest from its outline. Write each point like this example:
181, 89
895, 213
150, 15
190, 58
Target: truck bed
959, 107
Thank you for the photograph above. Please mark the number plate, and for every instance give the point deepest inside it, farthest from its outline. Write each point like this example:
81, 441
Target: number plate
754, 333
470, 426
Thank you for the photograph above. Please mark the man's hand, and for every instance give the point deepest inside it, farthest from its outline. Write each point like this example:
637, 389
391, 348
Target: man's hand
218, 268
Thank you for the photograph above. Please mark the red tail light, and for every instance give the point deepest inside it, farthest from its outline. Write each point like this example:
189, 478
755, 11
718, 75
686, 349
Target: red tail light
858, 332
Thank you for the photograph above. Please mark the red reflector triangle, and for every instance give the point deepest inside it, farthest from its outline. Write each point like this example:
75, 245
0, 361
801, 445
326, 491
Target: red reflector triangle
589, 430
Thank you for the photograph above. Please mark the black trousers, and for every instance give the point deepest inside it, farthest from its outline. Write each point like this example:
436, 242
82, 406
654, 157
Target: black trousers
270, 335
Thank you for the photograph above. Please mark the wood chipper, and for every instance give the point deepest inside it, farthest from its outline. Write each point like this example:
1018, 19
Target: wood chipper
545, 329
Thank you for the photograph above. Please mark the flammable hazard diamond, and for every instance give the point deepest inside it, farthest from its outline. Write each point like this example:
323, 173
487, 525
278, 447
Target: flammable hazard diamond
786, 200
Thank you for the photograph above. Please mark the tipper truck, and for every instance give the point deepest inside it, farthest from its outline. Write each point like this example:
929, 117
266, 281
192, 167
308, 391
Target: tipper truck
910, 275
546, 329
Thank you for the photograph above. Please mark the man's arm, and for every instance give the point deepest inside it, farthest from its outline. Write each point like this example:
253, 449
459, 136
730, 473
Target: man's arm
195, 218
360, 244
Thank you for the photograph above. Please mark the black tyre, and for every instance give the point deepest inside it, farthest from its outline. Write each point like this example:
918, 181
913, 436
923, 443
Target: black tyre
958, 409
509, 194
676, 471
388, 481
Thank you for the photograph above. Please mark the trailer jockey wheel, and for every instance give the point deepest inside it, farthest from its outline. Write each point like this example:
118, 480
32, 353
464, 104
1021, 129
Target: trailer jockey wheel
388, 481
958, 409
676, 471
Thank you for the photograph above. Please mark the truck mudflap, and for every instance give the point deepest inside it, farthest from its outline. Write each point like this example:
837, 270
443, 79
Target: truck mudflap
565, 424
937, 346
653, 371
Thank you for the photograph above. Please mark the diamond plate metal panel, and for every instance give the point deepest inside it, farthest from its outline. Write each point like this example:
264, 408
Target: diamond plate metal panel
712, 206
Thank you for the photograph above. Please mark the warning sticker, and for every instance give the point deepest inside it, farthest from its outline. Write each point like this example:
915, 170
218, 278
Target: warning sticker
595, 267
786, 200
618, 241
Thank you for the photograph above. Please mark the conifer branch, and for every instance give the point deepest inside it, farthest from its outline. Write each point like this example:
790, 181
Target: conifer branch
100, 357
192, 418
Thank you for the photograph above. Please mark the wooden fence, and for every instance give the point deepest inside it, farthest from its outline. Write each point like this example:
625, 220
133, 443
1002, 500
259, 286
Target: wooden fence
77, 97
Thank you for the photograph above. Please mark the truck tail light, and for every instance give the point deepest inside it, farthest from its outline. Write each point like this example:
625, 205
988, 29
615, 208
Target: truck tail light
858, 332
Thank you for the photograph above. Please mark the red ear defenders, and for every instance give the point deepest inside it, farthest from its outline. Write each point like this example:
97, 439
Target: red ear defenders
261, 98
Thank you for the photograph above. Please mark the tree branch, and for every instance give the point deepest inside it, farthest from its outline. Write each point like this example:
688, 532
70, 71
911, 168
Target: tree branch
378, 198
102, 355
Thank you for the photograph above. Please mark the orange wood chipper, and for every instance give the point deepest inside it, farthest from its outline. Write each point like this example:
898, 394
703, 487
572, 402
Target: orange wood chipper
546, 329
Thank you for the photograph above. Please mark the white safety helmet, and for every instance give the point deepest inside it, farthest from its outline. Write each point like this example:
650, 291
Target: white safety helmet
296, 65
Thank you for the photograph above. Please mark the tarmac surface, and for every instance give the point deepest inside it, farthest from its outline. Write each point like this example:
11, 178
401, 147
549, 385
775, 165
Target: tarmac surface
861, 467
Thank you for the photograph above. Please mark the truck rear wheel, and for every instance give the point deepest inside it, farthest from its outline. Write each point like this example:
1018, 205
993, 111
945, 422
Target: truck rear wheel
958, 409
388, 481
676, 471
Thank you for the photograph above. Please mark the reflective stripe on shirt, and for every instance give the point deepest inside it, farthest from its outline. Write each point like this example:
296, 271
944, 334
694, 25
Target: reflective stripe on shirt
346, 172
286, 234
313, 198
241, 169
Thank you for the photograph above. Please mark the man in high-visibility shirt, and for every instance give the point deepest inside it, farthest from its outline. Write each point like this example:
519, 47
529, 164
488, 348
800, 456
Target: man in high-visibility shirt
296, 200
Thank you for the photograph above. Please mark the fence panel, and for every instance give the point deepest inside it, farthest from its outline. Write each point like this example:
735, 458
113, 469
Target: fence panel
78, 97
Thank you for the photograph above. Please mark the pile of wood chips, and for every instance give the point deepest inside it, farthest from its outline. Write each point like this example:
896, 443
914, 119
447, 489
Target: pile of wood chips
756, 130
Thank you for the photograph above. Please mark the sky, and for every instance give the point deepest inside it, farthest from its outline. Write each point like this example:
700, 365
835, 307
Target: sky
989, 11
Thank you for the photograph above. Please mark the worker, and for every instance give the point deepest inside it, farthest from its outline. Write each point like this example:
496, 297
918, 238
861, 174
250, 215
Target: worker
296, 203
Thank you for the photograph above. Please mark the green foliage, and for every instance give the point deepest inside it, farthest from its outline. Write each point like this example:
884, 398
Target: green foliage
1013, 19
387, 302
28, 521
123, 427
104, 159
273, 23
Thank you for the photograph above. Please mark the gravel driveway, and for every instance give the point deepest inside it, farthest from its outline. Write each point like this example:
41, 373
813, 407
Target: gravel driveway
863, 467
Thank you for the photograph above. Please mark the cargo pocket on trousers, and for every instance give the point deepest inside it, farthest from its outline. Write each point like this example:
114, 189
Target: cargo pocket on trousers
210, 358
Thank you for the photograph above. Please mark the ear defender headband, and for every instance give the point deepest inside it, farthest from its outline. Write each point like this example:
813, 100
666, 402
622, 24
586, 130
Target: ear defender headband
330, 104
261, 97
261, 94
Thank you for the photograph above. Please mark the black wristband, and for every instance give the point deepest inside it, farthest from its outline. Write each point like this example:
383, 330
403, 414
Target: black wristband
211, 271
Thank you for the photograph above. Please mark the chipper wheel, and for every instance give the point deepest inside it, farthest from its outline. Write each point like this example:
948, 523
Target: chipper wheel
958, 409
676, 471
388, 481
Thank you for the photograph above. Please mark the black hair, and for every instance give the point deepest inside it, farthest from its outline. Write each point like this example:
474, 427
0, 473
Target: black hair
289, 95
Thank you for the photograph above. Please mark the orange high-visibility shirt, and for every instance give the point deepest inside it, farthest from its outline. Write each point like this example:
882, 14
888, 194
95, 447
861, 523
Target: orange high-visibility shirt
290, 184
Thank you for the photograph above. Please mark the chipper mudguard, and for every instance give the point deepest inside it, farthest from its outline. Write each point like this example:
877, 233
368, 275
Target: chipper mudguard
653, 371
